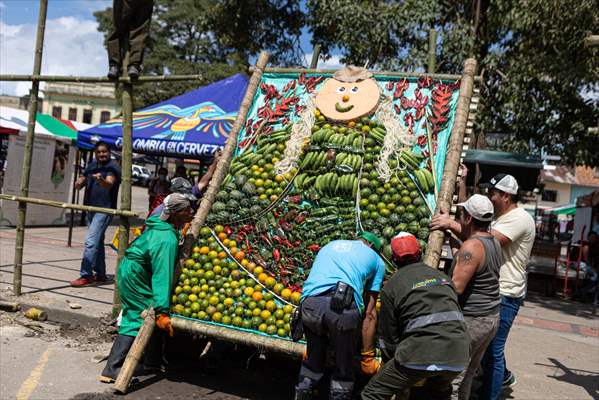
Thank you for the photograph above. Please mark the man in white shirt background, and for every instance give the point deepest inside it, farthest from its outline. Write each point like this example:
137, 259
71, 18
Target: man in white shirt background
514, 228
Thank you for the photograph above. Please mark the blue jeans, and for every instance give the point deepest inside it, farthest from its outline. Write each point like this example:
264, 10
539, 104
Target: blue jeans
494, 359
93, 254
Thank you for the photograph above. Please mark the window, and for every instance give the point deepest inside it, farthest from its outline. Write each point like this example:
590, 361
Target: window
549, 195
57, 112
73, 114
87, 116
104, 116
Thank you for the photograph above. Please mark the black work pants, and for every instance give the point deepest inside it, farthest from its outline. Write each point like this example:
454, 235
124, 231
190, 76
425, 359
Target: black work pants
395, 379
326, 329
131, 19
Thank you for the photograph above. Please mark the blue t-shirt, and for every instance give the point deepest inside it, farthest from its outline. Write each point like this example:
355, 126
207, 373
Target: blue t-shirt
96, 195
348, 261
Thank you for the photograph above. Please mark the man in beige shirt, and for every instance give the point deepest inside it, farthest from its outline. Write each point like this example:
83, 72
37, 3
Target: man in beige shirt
514, 228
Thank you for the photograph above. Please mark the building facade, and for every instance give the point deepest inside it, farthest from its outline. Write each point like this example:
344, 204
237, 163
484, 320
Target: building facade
562, 185
90, 103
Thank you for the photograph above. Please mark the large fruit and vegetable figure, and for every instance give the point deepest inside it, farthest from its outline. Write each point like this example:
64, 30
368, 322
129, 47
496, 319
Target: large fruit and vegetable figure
344, 163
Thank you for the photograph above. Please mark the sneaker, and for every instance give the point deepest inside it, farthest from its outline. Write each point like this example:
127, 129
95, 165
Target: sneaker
113, 72
81, 282
100, 280
133, 71
509, 379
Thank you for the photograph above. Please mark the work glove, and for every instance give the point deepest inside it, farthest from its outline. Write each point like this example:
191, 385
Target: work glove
369, 364
163, 322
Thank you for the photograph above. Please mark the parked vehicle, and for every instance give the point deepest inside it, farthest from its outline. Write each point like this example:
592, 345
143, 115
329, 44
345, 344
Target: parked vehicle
140, 175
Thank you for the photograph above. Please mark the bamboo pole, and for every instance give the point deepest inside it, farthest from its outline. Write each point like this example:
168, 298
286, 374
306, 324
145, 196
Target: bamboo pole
136, 352
449, 77
58, 204
432, 47
126, 162
97, 79
315, 55
287, 347
73, 194
452, 160
24, 189
230, 146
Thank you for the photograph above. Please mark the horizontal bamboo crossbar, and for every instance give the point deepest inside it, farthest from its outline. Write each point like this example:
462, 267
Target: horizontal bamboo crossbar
279, 70
287, 347
100, 79
58, 204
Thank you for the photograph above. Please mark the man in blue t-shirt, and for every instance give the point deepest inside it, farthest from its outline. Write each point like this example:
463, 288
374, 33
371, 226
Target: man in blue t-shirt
332, 315
101, 179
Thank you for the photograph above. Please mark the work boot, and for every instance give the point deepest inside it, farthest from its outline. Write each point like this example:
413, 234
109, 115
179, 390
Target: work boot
303, 394
116, 358
339, 394
113, 72
133, 71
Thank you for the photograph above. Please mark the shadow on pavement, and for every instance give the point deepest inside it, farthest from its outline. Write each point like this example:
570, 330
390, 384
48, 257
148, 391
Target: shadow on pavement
565, 306
53, 290
589, 380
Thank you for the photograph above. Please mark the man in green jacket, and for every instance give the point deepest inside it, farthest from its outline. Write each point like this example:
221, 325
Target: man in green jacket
145, 280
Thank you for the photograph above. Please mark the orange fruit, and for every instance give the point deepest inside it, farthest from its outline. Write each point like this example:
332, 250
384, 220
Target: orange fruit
244, 262
240, 255
271, 305
248, 291
234, 250
262, 277
295, 297
204, 250
219, 228
288, 308
212, 254
222, 255
286, 293
269, 282
257, 296
232, 243
258, 270
222, 235
226, 242
278, 287
262, 327
265, 314
196, 249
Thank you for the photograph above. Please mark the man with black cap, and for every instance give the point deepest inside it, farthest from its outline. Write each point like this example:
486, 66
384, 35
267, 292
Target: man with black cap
421, 329
338, 299
514, 228
145, 280
475, 276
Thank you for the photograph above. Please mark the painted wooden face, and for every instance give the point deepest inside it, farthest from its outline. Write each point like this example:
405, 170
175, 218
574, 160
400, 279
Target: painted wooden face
344, 101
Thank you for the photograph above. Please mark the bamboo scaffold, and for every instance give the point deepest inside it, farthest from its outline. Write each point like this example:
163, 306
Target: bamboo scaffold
68, 206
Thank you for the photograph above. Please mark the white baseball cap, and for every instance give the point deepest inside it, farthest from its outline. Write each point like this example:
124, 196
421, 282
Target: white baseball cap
479, 206
504, 182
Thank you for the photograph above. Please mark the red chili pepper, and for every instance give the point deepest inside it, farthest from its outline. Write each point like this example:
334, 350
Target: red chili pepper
248, 248
313, 247
277, 239
287, 243
276, 254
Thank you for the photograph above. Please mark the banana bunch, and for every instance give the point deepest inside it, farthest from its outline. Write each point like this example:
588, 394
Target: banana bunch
410, 160
314, 160
340, 139
351, 160
425, 180
378, 133
303, 181
275, 137
322, 135
331, 184
249, 158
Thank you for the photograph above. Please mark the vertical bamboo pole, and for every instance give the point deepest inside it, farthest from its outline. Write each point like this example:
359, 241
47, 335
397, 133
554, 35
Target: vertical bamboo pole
73, 194
432, 47
126, 161
315, 55
231, 144
24, 189
452, 160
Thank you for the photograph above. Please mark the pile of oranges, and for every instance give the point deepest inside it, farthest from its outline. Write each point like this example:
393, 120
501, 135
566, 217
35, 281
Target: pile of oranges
212, 287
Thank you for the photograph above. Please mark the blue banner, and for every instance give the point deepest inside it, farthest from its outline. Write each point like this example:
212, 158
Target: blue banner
193, 125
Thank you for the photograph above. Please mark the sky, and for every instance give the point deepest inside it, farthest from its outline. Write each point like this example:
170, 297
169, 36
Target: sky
72, 43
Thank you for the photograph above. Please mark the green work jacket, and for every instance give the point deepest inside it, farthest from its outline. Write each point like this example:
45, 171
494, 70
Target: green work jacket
146, 273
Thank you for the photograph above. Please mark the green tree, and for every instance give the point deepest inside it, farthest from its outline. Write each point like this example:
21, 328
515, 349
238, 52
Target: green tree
540, 85
214, 39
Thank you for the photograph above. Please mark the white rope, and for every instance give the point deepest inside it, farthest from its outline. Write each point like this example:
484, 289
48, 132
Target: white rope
396, 138
300, 136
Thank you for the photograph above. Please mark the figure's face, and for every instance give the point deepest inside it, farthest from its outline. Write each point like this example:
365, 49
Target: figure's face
342, 101
102, 154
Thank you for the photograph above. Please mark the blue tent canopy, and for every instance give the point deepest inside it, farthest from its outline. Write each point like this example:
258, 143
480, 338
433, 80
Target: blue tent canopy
193, 125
